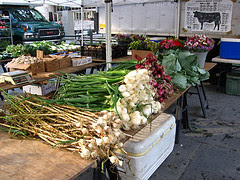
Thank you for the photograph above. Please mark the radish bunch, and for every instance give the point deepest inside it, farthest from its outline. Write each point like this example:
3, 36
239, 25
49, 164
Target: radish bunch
160, 81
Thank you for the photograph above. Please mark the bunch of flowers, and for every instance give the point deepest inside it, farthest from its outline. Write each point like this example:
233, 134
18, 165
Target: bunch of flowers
123, 37
146, 45
199, 43
160, 81
171, 43
136, 37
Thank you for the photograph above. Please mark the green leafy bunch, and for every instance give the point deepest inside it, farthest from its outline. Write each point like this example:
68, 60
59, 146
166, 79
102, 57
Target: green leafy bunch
20, 49
183, 67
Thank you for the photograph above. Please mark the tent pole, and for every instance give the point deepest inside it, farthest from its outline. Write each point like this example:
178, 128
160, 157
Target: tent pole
177, 28
108, 34
82, 15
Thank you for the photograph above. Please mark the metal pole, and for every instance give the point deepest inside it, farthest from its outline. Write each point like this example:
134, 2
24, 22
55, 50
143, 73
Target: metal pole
82, 23
177, 28
108, 34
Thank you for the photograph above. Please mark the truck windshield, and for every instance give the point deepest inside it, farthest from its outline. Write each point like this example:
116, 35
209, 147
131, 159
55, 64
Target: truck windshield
27, 15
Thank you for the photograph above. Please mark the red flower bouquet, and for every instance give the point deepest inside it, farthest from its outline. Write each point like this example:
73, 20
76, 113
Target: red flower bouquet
171, 43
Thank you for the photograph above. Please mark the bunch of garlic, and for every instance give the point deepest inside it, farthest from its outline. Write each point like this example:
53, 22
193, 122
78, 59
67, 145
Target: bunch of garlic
101, 137
25, 60
137, 103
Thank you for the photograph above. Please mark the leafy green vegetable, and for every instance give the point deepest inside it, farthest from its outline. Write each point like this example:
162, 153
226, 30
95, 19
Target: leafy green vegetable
180, 81
20, 49
183, 67
171, 64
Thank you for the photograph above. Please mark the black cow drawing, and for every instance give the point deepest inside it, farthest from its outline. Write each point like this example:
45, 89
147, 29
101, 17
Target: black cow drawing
208, 17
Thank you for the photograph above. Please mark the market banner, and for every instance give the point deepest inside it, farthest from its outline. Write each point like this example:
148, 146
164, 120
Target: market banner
208, 15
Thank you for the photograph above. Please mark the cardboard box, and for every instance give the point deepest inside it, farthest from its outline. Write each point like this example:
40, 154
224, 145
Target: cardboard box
31, 68
79, 61
64, 61
140, 54
40, 89
51, 64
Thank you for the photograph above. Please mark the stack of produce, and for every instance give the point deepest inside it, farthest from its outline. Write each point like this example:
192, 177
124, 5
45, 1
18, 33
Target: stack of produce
160, 80
95, 92
183, 67
92, 135
137, 102
25, 60
45, 46
19, 49
65, 47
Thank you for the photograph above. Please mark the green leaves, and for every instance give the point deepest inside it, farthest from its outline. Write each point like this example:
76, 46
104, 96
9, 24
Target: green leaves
183, 67
171, 64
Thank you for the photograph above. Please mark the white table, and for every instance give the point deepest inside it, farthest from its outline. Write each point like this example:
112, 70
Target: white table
229, 61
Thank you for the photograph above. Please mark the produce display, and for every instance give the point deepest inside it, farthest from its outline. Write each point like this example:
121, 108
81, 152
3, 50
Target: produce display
25, 60
92, 135
137, 103
92, 92
46, 46
65, 47
88, 112
19, 49
183, 67
160, 80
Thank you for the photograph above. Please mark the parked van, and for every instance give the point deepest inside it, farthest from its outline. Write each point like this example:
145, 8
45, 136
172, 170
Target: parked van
28, 25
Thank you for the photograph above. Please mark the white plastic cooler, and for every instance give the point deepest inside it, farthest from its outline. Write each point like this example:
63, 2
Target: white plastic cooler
148, 148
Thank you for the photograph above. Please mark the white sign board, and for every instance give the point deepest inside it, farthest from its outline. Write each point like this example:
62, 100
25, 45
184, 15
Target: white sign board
208, 15
142, 18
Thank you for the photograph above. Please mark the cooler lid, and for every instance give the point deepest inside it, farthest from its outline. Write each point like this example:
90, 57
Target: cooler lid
147, 137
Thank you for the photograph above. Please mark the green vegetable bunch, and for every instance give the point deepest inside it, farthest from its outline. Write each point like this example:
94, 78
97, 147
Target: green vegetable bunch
94, 92
17, 50
183, 67
20, 49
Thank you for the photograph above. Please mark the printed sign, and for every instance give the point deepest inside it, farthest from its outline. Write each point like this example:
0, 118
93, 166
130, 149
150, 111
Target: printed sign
208, 15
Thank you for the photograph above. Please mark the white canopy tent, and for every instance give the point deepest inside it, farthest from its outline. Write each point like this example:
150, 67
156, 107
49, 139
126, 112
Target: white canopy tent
94, 3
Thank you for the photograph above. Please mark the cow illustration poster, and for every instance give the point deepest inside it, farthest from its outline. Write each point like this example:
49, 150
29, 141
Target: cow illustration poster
208, 15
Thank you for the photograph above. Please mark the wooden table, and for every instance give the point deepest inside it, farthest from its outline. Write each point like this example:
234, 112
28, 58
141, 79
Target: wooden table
33, 159
40, 77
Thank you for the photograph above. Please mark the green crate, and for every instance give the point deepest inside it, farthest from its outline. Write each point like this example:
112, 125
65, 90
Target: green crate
233, 84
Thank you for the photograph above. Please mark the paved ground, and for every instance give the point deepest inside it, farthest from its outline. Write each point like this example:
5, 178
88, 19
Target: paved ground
212, 152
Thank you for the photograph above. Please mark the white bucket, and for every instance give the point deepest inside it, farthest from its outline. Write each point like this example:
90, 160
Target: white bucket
201, 58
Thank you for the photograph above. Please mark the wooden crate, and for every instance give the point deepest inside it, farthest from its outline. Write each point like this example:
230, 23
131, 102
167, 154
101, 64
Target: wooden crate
31, 68
64, 61
51, 64
140, 54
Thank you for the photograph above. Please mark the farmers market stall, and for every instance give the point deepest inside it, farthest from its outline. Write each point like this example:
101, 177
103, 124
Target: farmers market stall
28, 149
106, 115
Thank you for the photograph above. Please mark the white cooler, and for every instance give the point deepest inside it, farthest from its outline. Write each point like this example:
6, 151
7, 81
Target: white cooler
148, 148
